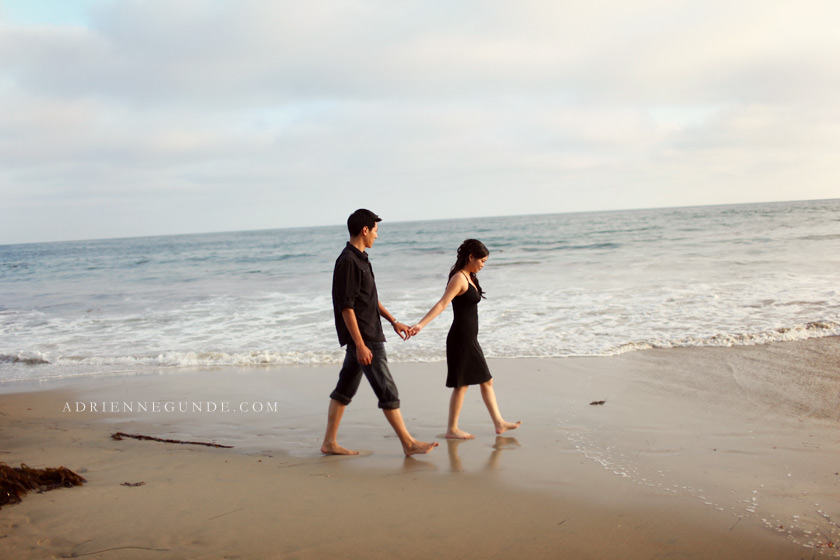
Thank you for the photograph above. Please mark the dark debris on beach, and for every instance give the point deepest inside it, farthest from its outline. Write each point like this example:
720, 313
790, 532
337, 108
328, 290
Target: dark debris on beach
15, 482
120, 435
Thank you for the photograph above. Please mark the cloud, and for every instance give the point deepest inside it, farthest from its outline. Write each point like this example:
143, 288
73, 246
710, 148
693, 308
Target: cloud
209, 115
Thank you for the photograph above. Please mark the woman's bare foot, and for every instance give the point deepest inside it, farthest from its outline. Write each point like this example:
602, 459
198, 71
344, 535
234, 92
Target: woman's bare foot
505, 426
459, 434
418, 448
335, 449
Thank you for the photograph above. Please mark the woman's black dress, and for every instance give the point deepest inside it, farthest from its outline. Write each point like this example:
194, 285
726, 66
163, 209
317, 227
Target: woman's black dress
464, 358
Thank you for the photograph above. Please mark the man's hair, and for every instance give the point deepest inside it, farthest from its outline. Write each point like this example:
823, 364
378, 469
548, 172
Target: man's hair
359, 219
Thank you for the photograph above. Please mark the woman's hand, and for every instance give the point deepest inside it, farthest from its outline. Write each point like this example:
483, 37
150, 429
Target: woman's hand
415, 329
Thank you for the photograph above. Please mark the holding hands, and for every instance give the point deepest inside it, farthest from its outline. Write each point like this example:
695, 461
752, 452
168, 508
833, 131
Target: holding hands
402, 330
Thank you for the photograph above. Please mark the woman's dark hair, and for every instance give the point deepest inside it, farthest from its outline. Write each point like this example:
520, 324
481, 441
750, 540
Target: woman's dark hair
469, 247
359, 219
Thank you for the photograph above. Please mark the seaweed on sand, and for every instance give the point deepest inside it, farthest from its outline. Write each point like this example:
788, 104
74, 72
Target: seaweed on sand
120, 435
15, 482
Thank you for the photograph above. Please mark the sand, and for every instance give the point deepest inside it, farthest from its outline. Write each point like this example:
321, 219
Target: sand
695, 453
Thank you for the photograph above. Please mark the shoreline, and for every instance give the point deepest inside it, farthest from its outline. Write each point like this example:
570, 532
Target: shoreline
696, 452
186, 361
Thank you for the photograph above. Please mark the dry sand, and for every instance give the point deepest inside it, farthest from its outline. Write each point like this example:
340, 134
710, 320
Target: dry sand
696, 453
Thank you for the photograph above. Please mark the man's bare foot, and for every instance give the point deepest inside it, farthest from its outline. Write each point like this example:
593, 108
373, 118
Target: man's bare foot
505, 426
335, 449
418, 448
459, 434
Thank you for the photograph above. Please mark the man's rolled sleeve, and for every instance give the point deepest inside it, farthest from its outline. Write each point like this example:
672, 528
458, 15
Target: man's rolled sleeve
346, 286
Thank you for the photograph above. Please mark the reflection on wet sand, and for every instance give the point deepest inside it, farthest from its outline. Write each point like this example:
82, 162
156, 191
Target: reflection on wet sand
501, 443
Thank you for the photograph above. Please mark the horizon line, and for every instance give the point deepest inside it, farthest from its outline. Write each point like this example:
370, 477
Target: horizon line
488, 216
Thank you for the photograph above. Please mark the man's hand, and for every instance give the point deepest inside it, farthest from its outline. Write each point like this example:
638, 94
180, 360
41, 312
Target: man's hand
364, 355
402, 330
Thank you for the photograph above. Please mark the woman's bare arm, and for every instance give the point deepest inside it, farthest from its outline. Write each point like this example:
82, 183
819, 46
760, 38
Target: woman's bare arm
457, 285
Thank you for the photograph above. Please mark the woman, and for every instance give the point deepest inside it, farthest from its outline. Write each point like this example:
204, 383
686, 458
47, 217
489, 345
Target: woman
464, 359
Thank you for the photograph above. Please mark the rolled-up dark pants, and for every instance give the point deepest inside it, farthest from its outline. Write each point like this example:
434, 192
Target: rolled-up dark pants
377, 373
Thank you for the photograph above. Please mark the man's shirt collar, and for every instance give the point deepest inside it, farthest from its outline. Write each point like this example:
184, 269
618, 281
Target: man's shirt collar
361, 254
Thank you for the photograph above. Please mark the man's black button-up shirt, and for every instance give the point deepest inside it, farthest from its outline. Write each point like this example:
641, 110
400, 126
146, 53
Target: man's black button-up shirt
354, 287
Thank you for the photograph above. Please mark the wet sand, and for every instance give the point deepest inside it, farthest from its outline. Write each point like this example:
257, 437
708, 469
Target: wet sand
695, 453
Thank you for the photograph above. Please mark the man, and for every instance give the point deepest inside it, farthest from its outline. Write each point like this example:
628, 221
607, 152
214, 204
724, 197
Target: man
357, 311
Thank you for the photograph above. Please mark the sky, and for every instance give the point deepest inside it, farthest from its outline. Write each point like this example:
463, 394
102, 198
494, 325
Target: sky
124, 118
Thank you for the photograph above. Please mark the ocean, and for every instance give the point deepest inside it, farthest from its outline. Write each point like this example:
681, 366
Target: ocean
559, 285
